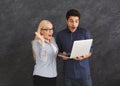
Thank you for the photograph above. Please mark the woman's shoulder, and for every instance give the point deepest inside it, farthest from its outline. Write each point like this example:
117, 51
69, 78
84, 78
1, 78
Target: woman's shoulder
36, 41
53, 39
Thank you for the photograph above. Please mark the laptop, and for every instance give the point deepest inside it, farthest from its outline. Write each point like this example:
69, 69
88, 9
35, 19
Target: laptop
80, 48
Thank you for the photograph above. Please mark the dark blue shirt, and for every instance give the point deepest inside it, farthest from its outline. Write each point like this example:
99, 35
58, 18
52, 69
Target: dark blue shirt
73, 68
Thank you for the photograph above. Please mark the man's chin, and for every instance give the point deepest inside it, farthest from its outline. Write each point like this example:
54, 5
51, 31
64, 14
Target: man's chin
73, 29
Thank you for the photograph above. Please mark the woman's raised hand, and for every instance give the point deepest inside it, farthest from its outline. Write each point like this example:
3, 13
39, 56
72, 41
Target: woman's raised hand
41, 38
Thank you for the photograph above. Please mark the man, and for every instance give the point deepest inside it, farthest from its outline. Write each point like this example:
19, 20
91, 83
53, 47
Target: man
76, 70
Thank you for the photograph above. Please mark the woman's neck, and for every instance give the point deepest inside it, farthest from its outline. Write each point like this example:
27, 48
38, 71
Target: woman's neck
48, 40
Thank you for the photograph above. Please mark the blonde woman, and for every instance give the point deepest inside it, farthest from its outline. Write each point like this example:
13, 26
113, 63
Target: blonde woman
45, 52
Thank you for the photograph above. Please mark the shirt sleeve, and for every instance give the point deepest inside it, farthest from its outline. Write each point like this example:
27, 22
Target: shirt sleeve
88, 36
38, 50
58, 43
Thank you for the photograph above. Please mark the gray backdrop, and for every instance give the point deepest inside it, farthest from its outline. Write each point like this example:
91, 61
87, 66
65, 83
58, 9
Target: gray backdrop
19, 20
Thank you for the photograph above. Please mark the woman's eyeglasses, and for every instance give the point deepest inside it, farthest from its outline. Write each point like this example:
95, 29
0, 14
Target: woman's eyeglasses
46, 29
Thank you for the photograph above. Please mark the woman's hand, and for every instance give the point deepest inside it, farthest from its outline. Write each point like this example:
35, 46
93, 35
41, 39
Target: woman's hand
40, 37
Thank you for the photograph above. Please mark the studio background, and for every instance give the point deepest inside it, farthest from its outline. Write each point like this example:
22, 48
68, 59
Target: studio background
19, 20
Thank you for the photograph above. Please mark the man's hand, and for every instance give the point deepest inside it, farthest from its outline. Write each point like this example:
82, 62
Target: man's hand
79, 58
82, 57
63, 55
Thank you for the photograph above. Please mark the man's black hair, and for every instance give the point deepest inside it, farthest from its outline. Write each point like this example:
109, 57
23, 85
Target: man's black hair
72, 12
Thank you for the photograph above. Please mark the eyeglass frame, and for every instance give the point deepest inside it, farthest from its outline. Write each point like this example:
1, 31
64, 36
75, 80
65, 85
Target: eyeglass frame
46, 29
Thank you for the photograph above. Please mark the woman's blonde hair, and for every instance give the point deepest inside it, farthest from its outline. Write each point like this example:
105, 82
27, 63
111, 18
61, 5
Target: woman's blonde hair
41, 25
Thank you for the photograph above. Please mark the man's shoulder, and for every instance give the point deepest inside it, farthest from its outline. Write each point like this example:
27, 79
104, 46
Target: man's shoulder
62, 31
83, 29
